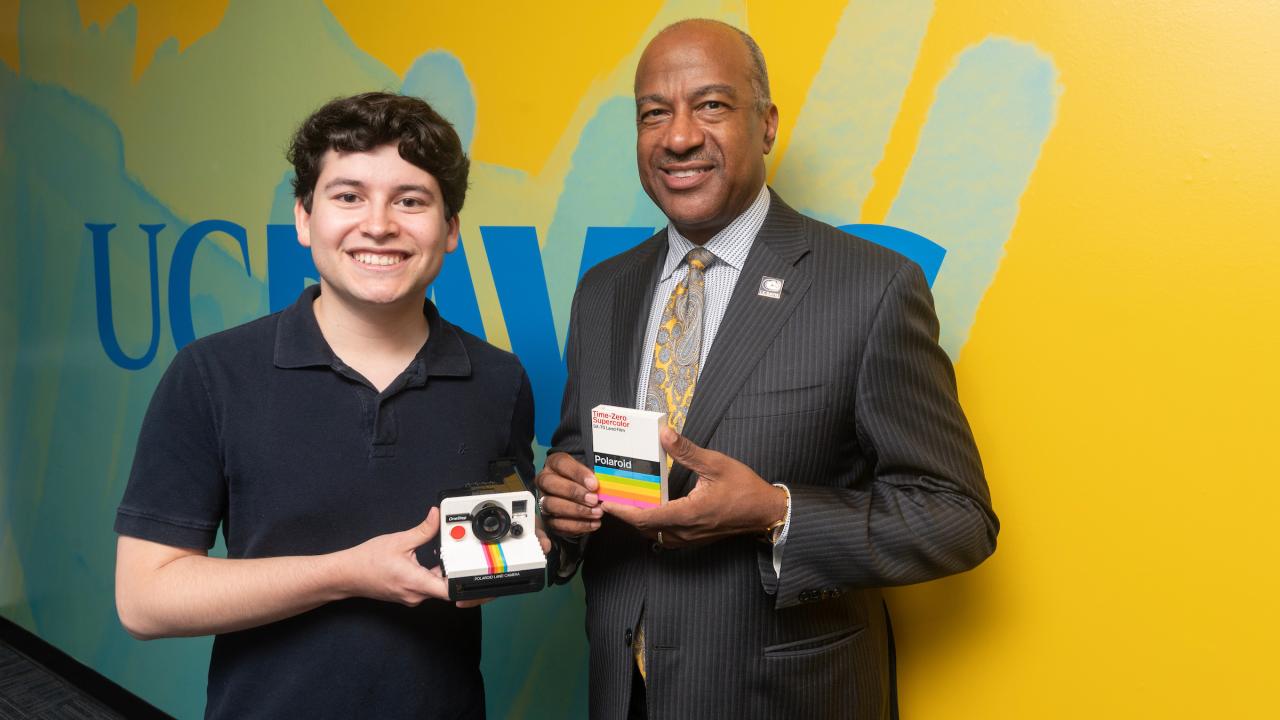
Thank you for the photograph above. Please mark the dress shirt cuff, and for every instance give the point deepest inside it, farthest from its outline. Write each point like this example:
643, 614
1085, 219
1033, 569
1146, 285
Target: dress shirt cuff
571, 549
782, 537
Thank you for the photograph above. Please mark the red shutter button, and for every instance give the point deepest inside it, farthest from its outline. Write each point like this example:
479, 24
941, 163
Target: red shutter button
458, 532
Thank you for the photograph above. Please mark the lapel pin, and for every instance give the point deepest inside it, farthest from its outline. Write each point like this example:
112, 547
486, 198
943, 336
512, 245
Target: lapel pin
770, 287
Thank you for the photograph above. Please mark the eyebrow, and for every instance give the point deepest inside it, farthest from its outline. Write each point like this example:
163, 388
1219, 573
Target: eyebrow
415, 188
699, 92
359, 184
338, 182
706, 90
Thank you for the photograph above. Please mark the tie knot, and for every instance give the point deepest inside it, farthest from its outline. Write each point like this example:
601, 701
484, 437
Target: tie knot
700, 258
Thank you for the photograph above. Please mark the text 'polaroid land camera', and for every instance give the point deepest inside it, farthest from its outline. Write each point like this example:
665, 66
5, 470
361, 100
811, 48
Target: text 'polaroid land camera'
487, 541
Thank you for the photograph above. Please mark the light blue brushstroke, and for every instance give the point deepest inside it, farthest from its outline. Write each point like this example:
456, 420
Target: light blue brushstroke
71, 414
438, 78
282, 201
978, 148
841, 132
600, 189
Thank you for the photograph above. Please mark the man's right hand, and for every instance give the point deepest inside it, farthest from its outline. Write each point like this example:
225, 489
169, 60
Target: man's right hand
386, 567
570, 506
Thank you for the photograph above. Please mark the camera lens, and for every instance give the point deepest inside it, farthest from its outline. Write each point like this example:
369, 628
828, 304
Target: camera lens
490, 522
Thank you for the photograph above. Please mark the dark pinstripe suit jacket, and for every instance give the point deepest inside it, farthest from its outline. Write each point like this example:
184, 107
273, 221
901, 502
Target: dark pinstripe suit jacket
838, 389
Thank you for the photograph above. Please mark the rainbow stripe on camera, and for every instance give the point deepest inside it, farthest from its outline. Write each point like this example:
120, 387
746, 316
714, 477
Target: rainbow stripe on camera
494, 558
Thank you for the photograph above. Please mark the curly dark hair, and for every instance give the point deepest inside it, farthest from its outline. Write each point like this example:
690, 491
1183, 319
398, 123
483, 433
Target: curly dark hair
363, 122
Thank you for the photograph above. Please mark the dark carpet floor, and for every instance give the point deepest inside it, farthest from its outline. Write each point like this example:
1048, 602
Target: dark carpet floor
30, 690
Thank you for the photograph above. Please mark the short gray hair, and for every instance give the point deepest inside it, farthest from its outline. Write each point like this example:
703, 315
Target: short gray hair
759, 73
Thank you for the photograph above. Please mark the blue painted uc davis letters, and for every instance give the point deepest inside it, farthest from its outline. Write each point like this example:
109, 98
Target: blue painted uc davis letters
514, 258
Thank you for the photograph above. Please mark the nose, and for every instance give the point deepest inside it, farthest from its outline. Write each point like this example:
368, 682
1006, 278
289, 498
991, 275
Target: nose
683, 133
379, 223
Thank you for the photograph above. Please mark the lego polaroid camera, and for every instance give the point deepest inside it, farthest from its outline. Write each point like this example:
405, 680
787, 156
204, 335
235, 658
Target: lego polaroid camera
487, 541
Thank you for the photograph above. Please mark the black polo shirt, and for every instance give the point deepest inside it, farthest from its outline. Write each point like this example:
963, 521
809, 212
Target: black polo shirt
262, 429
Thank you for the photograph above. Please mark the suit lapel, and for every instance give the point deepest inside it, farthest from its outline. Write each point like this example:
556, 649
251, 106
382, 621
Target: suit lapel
750, 323
633, 296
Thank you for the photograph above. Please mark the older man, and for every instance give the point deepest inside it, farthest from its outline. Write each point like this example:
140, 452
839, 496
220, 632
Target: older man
820, 451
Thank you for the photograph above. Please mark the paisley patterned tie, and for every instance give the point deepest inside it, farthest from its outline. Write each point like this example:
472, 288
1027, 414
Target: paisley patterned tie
679, 344
676, 354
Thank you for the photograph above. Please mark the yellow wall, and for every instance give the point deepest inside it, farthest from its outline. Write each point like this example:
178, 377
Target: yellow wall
1121, 377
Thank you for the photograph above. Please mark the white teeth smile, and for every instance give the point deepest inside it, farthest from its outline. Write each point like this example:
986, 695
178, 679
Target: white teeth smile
686, 173
377, 259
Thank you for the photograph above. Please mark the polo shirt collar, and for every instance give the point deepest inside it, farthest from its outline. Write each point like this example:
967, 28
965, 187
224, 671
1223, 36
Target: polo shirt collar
299, 342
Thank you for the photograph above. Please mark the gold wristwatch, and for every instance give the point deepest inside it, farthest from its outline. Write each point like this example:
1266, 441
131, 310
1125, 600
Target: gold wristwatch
773, 533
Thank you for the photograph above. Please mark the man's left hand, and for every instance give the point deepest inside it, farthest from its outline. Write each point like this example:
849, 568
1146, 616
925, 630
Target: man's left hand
729, 498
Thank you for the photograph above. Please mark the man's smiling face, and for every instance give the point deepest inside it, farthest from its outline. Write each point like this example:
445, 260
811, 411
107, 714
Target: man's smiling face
378, 228
700, 138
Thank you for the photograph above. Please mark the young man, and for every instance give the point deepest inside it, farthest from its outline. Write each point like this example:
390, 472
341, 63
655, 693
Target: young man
319, 438
823, 453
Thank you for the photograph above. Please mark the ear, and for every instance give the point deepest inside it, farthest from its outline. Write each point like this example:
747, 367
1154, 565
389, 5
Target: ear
455, 231
770, 127
302, 223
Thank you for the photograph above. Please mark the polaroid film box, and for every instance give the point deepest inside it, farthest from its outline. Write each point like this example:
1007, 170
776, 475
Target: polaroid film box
629, 462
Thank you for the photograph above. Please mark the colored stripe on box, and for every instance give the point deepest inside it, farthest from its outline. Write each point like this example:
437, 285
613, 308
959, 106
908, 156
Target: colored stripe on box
635, 476
654, 485
653, 498
629, 488
617, 488
624, 501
